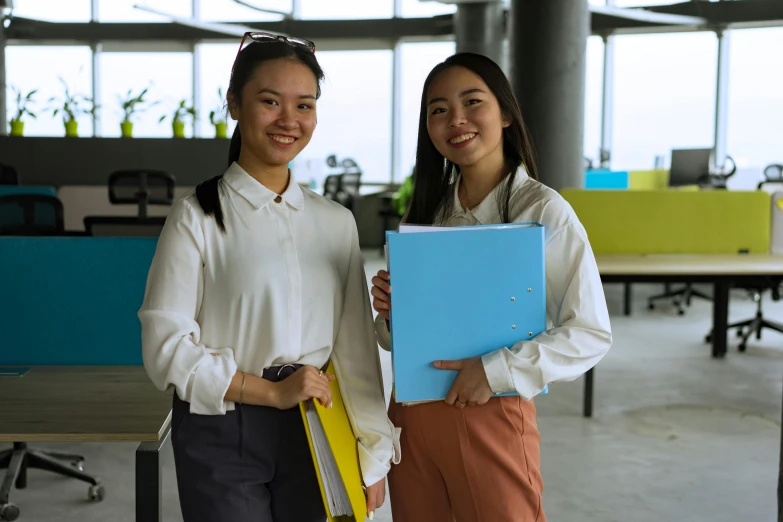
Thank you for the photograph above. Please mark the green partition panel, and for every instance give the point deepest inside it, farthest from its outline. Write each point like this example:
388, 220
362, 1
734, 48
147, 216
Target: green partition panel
674, 221
648, 179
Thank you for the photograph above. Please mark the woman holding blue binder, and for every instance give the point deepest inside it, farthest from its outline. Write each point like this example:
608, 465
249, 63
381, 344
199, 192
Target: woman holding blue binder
255, 285
475, 456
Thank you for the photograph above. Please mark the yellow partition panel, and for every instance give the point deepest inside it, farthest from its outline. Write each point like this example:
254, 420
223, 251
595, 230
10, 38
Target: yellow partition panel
648, 179
674, 221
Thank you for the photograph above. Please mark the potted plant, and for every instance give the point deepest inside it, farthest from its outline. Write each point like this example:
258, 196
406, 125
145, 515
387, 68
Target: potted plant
72, 106
177, 119
22, 101
221, 122
130, 105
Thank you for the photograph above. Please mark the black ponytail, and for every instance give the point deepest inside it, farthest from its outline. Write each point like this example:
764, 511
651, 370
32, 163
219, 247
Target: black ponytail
208, 192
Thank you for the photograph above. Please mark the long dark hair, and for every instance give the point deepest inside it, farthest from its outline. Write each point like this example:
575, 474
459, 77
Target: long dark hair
248, 60
433, 189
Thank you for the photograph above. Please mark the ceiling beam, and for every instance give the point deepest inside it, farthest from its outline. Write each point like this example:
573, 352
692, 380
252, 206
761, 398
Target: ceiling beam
689, 16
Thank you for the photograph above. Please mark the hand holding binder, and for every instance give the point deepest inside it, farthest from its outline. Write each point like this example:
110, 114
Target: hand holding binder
470, 386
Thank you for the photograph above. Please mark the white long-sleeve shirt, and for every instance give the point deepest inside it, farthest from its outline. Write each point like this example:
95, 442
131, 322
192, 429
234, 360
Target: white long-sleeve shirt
578, 332
285, 284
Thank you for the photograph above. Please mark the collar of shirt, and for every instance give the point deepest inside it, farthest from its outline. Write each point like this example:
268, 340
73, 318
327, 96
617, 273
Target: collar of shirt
257, 194
486, 212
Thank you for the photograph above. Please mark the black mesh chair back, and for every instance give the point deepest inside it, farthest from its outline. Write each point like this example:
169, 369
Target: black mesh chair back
332, 186
8, 175
31, 215
141, 187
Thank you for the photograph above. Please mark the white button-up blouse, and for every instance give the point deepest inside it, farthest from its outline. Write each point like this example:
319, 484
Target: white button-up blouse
578, 331
284, 284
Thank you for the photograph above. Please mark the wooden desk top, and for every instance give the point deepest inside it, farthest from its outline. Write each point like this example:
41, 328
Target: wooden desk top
690, 264
83, 404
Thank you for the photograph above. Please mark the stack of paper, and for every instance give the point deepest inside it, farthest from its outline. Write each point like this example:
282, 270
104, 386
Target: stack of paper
334, 448
333, 485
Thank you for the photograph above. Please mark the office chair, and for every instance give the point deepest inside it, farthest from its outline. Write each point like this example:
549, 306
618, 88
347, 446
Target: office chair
332, 186
772, 174
683, 295
344, 187
141, 187
350, 182
755, 325
8, 175
31, 215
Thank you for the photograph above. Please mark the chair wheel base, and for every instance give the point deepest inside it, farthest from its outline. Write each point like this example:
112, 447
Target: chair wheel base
9, 512
742, 347
96, 493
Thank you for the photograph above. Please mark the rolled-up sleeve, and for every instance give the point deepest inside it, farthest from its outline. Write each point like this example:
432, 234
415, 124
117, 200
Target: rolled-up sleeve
358, 368
580, 335
172, 352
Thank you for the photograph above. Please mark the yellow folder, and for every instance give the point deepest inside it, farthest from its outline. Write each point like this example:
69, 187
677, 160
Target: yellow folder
333, 446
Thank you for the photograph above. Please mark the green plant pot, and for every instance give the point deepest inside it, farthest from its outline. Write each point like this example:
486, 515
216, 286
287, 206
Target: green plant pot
220, 130
17, 128
178, 128
127, 129
72, 129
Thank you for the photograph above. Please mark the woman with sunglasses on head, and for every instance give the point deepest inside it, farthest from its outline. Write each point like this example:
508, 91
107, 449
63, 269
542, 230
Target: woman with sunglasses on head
255, 285
475, 456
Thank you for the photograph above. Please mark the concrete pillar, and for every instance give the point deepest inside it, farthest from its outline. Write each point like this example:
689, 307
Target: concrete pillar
548, 40
480, 27
3, 88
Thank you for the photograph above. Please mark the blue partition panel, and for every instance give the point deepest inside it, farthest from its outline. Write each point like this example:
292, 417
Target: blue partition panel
72, 300
606, 180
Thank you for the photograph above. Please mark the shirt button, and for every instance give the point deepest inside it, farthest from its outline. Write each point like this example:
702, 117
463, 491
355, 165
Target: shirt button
278, 199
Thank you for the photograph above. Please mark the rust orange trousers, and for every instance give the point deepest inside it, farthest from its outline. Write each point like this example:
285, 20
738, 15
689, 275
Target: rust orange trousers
471, 464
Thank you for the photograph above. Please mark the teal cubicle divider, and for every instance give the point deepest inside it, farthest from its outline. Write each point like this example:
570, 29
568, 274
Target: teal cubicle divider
10, 190
72, 300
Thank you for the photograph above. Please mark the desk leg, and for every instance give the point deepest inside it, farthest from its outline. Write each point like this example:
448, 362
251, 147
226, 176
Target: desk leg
720, 318
149, 475
587, 408
627, 298
780, 478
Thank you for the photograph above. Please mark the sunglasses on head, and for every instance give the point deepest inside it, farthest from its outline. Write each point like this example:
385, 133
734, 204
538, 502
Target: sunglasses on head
269, 37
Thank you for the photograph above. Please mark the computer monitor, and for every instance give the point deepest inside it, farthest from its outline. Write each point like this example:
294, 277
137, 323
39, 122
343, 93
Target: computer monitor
690, 167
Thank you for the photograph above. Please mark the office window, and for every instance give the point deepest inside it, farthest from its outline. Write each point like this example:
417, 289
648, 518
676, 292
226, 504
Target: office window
755, 117
215, 71
594, 81
54, 10
123, 10
72, 64
417, 60
419, 9
641, 3
354, 116
169, 77
230, 11
346, 9
664, 96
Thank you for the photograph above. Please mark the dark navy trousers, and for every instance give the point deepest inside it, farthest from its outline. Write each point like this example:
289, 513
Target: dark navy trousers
251, 465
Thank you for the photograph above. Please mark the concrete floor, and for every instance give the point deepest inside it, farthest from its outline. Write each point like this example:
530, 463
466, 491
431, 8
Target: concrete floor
675, 435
